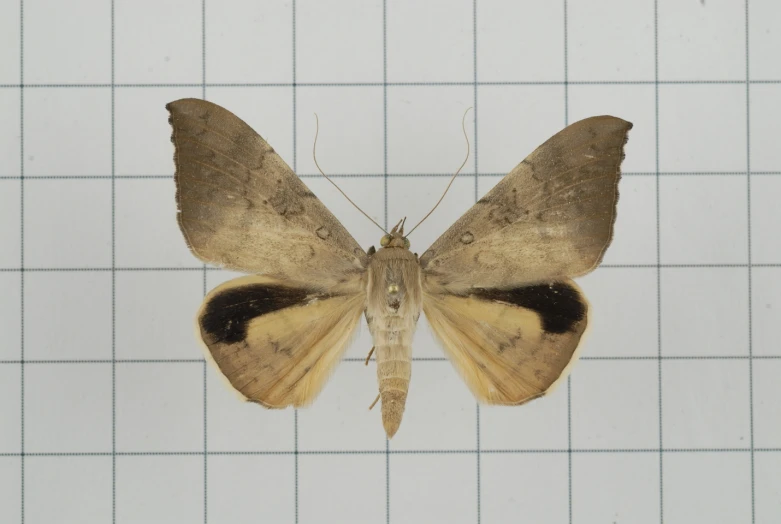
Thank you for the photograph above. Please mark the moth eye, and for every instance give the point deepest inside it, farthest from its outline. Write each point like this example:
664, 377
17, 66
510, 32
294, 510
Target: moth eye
406, 243
384, 241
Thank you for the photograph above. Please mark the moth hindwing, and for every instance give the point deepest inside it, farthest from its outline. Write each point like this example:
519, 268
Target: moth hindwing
496, 286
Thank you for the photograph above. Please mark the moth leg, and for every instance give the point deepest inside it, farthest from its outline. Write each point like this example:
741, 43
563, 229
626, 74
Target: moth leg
375, 402
369, 356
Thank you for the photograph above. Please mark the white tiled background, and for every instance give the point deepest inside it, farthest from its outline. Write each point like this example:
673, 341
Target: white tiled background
108, 413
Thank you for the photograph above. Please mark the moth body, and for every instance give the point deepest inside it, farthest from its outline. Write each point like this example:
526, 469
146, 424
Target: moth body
393, 305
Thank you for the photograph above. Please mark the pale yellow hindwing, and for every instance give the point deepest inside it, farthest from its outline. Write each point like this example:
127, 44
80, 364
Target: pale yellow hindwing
277, 341
510, 346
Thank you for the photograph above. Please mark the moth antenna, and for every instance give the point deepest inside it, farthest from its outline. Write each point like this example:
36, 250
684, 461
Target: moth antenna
452, 179
314, 157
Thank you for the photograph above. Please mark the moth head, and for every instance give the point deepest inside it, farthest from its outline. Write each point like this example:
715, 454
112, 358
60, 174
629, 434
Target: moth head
396, 237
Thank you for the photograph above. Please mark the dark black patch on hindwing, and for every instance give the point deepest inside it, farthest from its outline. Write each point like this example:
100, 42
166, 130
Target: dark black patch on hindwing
227, 314
559, 305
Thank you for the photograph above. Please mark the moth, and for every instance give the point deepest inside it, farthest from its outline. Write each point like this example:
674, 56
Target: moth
496, 286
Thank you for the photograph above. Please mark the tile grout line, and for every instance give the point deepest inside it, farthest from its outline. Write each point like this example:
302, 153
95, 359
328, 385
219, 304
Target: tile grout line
477, 189
205, 272
389, 84
21, 257
391, 175
113, 280
658, 263
569, 378
749, 272
385, 194
295, 167
325, 452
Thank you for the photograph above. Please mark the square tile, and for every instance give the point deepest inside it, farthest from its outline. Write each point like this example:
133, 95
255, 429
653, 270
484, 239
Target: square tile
144, 48
413, 197
142, 133
767, 488
705, 404
68, 315
615, 405
67, 132
541, 424
81, 58
10, 223
75, 419
533, 486
623, 319
339, 419
160, 489
503, 59
146, 228
268, 110
351, 130
712, 118
633, 103
765, 310
414, 56
67, 223
764, 39
330, 51
767, 412
11, 315
702, 42
414, 502
10, 129
249, 42
234, 424
629, 24
155, 314
441, 413
11, 408
765, 124
238, 493
703, 220
359, 496
502, 146
368, 193
765, 219
159, 407
10, 49
11, 487
634, 232
704, 311
707, 487
67, 489
615, 487
424, 129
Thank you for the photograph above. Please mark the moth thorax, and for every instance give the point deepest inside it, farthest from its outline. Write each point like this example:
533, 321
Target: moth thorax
393, 289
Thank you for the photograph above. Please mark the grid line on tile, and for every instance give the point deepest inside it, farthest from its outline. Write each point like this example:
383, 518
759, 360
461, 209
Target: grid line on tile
113, 276
21, 262
658, 260
749, 272
476, 195
387, 84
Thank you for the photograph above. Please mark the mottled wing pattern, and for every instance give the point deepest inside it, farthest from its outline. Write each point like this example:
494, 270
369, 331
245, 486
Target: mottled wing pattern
243, 208
511, 345
277, 341
552, 216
